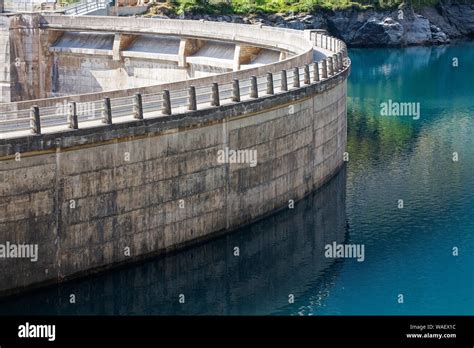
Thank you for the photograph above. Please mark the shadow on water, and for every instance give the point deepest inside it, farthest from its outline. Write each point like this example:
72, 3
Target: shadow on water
279, 255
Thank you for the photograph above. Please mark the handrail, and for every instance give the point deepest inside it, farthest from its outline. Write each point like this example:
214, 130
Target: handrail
85, 6
182, 100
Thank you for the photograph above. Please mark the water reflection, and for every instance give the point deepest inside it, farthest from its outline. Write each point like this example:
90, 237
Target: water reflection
280, 255
407, 251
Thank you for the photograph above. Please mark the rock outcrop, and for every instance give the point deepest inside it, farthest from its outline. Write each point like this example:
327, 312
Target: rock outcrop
370, 28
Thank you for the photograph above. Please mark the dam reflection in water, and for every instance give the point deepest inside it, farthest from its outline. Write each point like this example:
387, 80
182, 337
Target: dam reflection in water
280, 255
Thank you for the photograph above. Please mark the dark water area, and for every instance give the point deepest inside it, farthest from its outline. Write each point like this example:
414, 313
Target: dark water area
408, 251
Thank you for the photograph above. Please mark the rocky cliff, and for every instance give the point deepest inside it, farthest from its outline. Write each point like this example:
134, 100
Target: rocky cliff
402, 26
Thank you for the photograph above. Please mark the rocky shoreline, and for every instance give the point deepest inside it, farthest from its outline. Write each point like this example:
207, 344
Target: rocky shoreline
370, 28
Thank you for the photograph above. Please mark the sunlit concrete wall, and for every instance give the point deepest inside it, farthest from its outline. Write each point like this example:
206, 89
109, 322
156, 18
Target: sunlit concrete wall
43, 59
99, 197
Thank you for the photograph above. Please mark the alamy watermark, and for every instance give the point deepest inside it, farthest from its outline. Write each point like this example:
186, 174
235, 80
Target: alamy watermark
394, 108
37, 331
86, 109
19, 251
336, 251
237, 156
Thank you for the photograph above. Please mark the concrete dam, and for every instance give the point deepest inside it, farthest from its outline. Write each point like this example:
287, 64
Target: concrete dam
126, 138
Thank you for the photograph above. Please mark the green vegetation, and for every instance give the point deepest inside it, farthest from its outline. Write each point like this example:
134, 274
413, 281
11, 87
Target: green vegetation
67, 2
281, 6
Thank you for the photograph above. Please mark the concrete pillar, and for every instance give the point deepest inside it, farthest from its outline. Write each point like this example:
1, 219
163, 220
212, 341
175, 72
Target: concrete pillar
253, 87
236, 91
192, 104
166, 110
315, 72
187, 47
244, 54
335, 63
306, 79
296, 77
341, 63
330, 66
270, 89
236, 62
324, 69
116, 47
35, 122
72, 116
215, 101
307, 34
284, 81
106, 111
137, 106
121, 42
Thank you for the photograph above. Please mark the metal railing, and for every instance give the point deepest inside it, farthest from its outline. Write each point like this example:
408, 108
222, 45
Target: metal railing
85, 7
140, 106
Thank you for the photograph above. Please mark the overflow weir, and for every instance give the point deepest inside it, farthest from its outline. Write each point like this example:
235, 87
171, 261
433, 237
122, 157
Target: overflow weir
126, 138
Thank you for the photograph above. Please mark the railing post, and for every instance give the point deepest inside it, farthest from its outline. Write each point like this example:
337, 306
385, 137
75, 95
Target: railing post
192, 106
339, 58
236, 91
324, 69
215, 95
330, 66
106, 111
296, 77
166, 102
306, 79
35, 123
315, 72
335, 63
137, 106
72, 116
284, 81
253, 87
270, 89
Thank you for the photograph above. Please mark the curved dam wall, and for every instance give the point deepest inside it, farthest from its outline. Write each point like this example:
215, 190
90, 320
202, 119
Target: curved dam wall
100, 196
51, 56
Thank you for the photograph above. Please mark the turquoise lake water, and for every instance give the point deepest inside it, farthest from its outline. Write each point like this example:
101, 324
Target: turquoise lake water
408, 251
